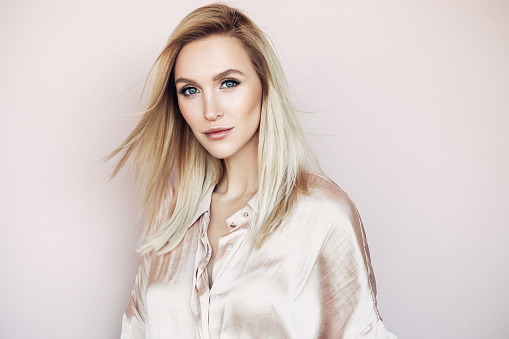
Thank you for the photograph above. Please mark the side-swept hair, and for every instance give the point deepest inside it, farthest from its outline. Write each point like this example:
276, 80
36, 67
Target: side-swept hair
176, 171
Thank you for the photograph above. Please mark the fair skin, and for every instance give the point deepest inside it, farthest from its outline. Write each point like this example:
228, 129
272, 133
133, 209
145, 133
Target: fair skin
219, 95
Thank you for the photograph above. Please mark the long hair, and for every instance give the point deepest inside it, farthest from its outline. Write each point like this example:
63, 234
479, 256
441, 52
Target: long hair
176, 171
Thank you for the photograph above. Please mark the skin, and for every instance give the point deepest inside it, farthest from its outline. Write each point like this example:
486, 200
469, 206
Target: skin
217, 87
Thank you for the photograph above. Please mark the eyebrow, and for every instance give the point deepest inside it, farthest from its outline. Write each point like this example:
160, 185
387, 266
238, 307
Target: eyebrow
215, 78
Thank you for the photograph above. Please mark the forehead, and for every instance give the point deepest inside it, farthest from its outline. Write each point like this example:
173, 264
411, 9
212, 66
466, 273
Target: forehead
205, 58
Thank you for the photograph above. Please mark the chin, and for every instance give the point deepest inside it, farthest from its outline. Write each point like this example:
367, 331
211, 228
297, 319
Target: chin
220, 154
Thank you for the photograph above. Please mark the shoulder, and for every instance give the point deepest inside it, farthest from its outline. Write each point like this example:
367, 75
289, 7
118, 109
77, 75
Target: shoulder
327, 215
326, 200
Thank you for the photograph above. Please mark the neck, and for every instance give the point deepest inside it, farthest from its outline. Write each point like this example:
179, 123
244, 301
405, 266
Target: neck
240, 176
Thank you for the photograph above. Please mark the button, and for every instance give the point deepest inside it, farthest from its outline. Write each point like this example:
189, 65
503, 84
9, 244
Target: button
229, 247
246, 214
233, 224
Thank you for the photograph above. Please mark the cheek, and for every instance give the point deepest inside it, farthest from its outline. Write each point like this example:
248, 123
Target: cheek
256, 108
250, 104
188, 113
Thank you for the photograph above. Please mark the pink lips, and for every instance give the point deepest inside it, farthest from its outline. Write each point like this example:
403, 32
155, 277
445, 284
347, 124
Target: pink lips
217, 133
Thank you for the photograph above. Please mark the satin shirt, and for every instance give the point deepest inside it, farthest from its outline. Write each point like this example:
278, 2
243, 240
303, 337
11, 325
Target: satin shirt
311, 279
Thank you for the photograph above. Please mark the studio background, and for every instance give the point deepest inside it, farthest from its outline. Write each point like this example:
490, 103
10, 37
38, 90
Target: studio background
406, 106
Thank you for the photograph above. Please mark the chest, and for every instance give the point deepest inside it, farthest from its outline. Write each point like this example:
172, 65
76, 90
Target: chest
271, 283
281, 265
224, 219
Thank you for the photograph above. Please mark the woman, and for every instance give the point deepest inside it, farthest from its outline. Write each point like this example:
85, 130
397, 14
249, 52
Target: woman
241, 241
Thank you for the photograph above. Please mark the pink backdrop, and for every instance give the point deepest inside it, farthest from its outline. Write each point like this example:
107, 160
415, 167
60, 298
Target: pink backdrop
408, 111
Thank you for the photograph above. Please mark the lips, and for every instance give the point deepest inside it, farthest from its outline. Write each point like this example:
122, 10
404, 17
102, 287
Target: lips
217, 133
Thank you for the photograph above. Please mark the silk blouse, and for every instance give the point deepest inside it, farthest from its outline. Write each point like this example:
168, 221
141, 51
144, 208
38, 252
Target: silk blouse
311, 279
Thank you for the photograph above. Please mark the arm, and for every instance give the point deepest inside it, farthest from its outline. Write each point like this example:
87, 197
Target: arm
133, 321
347, 284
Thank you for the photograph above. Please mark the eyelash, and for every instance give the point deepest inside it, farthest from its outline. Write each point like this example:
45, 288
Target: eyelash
235, 83
186, 88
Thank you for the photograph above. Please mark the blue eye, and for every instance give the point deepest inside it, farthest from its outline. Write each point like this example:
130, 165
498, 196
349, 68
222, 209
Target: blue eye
229, 83
188, 91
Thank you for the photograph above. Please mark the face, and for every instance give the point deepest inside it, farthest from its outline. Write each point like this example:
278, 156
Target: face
219, 95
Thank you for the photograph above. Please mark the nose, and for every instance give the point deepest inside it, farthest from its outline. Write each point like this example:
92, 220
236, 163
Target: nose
212, 108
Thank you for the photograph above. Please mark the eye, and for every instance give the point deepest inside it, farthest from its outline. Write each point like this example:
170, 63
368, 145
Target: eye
188, 91
229, 83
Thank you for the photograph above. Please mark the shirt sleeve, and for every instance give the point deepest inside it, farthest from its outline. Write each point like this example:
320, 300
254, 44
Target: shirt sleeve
134, 318
347, 284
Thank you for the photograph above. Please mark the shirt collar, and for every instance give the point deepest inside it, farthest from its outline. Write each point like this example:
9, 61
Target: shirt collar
252, 203
204, 205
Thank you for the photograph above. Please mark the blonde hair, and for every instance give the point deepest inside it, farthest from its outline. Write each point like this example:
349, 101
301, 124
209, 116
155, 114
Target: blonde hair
176, 171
